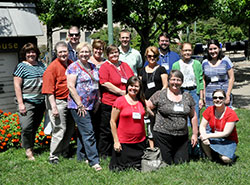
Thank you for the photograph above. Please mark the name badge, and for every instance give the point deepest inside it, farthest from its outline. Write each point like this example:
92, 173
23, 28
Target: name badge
166, 66
151, 85
214, 79
124, 80
178, 108
136, 115
95, 85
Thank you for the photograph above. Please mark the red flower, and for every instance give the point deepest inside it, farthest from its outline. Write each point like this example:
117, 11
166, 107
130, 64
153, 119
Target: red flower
13, 119
9, 135
1, 138
18, 127
48, 137
1, 111
6, 121
8, 126
46, 142
3, 132
1, 147
3, 143
6, 139
9, 113
36, 141
5, 114
41, 133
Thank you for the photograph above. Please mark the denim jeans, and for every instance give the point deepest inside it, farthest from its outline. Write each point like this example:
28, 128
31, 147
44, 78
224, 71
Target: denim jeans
86, 143
196, 98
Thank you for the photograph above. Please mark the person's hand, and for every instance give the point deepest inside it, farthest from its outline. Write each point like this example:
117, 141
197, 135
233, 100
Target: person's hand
81, 111
55, 112
117, 146
123, 92
194, 140
204, 139
22, 109
227, 101
201, 103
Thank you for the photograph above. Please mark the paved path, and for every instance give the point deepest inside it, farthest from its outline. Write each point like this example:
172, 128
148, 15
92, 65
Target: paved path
241, 89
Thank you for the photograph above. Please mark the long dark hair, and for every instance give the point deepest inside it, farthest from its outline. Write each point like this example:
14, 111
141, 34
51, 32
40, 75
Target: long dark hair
140, 96
215, 42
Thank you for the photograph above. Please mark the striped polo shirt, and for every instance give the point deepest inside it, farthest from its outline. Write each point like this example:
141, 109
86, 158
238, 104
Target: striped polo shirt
32, 76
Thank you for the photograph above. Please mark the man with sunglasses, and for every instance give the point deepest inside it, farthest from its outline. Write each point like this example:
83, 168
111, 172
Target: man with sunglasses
167, 57
127, 54
74, 36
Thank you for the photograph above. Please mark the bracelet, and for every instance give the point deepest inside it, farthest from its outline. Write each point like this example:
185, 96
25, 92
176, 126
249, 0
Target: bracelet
79, 106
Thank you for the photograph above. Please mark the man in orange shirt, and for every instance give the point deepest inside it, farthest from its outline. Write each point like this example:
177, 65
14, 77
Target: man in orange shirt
55, 87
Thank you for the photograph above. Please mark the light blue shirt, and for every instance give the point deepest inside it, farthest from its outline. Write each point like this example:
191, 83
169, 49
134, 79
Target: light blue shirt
132, 58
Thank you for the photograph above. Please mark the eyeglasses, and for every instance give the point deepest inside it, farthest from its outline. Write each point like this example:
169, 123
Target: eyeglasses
218, 97
175, 80
74, 34
150, 56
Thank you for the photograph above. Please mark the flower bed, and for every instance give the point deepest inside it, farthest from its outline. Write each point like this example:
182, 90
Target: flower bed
10, 132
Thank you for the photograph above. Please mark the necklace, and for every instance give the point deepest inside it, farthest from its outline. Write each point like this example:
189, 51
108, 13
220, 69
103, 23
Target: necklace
219, 114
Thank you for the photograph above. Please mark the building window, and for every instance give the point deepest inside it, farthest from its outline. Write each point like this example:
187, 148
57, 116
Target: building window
63, 35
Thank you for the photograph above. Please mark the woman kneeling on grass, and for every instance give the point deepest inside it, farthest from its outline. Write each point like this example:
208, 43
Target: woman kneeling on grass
222, 139
129, 136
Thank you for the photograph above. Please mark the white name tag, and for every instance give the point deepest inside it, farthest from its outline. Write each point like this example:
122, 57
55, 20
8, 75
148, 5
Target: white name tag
124, 80
136, 115
166, 66
95, 85
151, 85
178, 108
214, 79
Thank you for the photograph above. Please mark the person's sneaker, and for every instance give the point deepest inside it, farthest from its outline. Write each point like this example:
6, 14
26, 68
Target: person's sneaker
97, 167
53, 161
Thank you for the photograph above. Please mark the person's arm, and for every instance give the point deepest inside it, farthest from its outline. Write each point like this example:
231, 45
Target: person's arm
225, 133
203, 132
114, 117
164, 79
18, 90
201, 100
71, 82
52, 101
204, 90
112, 88
230, 85
194, 121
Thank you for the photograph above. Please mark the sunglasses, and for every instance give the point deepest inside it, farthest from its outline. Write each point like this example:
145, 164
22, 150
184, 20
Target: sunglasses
150, 56
72, 34
218, 97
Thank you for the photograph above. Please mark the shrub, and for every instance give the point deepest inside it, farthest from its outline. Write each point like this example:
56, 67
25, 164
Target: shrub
10, 132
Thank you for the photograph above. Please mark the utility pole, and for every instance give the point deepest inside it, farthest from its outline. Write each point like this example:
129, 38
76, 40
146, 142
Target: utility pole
110, 22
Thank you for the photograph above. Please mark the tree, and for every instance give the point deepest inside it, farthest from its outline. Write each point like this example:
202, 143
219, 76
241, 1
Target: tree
235, 12
64, 13
149, 18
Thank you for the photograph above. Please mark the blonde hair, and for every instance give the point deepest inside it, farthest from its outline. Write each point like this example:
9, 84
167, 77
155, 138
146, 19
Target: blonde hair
82, 45
154, 50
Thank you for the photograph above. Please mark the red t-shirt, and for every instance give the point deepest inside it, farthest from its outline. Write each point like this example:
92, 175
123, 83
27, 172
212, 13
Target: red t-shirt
130, 130
55, 80
109, 73
219, 124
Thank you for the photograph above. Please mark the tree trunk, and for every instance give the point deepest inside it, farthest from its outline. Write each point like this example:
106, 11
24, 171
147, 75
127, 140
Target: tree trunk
49, 44
247, 52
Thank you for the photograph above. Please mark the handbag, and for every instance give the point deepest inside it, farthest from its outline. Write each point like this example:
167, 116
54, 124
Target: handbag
152, 160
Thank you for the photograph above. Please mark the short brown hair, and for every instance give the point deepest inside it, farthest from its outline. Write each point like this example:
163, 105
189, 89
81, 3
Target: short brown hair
176, 73
98, 43
26, 48
110, 48
154, 50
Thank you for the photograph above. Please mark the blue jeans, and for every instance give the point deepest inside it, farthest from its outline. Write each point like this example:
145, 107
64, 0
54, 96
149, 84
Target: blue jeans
86, 143
196, 98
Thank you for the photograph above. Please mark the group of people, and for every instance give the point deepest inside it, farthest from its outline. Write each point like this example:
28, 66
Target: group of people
112, 99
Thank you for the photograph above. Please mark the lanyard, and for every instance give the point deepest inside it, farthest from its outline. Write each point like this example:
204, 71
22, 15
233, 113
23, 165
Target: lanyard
152, 76
118, 70
85, 69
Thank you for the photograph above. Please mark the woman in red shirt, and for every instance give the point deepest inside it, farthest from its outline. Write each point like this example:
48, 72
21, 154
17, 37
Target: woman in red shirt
222, 138
113, 79
129, 137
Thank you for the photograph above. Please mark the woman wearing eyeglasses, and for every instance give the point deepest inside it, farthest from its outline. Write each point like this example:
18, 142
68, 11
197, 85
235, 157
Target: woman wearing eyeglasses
218, 73
193, 76
222, 140
154, 77
170, 131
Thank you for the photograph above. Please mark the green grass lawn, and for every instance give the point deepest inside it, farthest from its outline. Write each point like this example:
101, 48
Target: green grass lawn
16, 169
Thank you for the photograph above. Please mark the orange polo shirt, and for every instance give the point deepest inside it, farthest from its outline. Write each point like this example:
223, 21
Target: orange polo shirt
55, 80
